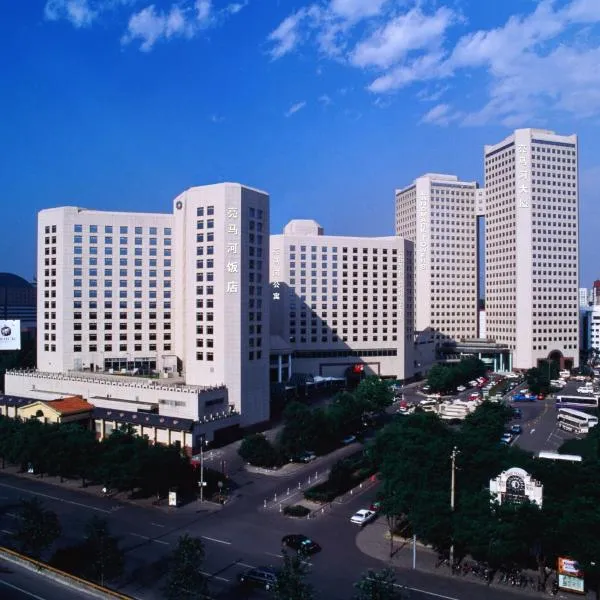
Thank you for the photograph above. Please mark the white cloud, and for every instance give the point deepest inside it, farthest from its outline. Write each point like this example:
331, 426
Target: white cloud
79, 12
295, 108
412, 31
216, 118
203, 10
325, 100
441, 114
543, 61
235, 7
149, 25
288, 35
184, 18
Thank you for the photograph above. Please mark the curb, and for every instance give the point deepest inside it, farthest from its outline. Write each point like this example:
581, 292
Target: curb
71, 581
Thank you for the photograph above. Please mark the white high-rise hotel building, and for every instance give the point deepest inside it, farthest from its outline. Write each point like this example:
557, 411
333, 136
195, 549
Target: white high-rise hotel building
179, 294
532, 252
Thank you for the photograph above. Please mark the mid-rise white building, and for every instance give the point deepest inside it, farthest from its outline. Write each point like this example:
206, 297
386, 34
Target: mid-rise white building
586, 297
531, 295
438, 213
339, 301
183, 296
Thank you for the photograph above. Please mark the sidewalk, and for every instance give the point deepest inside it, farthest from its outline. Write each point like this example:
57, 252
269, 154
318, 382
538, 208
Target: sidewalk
374, 542
118, 497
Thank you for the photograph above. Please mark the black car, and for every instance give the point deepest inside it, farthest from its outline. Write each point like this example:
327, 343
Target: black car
300, 543
259, 577
517, 413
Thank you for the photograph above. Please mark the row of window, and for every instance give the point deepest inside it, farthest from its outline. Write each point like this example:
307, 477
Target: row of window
123, 230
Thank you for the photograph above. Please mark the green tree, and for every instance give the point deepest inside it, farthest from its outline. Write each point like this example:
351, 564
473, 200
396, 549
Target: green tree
303, 430
379, 585
290, 584
344, 415
258, 450
37, 528
185, 580
104, 559
374, 394
8, 429
538, 380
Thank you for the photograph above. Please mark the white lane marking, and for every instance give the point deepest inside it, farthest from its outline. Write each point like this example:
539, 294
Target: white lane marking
13, 516
14, 487
157, 524
215, 577
145, 537
15, 587
425, 592
7, 531
275, 555
205, 537
532, 430
245, 565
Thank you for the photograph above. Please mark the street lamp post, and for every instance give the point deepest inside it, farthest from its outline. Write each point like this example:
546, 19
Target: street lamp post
202, 442
453, 456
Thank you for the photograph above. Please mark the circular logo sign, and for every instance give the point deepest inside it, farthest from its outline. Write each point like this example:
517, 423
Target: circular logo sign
179, 205
5, 331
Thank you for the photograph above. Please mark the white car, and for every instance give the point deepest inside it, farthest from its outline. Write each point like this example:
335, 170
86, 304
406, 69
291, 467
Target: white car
461, 388
363, 516
585, 390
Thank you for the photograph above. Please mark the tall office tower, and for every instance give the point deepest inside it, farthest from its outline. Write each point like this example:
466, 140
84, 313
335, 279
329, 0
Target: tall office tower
340, 301
439, 214
104, 290
532, 246
221, 251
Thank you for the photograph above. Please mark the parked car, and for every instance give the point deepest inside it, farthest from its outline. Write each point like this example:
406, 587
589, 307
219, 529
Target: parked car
473, 383
363, 516
300, 543
375, 506
506, 438
516, 429
305, 457
426, 388
461, 388
517, 413
349, 439
259, 577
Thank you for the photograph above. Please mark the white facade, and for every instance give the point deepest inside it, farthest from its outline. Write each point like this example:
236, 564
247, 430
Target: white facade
590, 319
586, 297
105, 285
339, 301
222, 274
438, 214
172, 294
532, 245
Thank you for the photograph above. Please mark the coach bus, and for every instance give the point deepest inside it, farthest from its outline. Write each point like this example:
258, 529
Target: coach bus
585, 402
575, 420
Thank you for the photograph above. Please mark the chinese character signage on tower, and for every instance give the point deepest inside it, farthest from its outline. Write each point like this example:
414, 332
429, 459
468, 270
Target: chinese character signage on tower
276, 283
232, 249
523, 191
423, 201
515, 486
10, 335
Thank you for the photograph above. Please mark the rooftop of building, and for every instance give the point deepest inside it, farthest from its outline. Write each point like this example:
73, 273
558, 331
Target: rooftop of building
174, 383
69, 406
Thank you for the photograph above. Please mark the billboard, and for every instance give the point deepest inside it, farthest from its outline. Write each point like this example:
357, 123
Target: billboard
570, 576
10, 335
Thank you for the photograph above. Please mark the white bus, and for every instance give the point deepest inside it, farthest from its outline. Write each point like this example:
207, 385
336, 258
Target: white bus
575, 420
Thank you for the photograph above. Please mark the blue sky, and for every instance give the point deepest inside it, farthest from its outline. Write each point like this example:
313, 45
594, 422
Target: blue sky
328, 105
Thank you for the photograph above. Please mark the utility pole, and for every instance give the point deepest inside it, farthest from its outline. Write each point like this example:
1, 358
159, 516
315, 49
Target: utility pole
452, 490
202, 472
